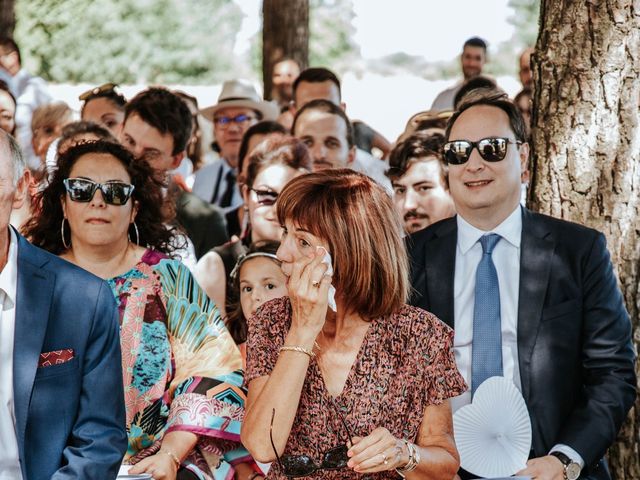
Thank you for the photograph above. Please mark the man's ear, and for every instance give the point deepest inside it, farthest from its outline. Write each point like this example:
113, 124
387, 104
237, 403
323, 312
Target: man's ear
292, 108
245, 194
177, 160
352, 156
22, 189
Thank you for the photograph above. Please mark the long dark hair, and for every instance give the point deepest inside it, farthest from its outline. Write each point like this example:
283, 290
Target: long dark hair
43, 229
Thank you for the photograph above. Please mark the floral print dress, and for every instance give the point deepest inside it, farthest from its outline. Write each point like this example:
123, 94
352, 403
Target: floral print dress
181, 368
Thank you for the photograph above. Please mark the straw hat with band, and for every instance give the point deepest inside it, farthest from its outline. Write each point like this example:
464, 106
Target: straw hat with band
240, 93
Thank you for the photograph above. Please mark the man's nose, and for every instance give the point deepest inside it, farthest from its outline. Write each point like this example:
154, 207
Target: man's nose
319, 152
410, 202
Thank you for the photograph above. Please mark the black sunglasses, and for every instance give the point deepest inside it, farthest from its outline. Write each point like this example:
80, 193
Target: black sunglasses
103, 89
458, 152
83, 190
265, 197
294, 466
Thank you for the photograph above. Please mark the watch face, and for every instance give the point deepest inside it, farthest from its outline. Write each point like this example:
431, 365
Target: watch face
573, 471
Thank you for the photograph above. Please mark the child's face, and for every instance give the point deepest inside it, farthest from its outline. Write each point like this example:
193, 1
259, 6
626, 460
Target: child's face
261, 280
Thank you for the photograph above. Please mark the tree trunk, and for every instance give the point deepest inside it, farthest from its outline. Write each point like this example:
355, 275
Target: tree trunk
285, 34
586, 137
7, 18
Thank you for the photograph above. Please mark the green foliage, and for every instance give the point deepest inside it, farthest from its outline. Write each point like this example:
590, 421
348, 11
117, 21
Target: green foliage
525, 20
128, 41
331, 33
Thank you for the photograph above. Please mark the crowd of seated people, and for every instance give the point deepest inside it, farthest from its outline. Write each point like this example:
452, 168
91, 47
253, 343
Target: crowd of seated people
303, 298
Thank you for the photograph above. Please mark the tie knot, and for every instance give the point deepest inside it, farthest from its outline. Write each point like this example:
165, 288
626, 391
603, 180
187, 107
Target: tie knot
488, 242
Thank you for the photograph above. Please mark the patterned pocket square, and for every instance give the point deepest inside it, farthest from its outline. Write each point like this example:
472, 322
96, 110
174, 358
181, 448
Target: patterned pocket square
56, 357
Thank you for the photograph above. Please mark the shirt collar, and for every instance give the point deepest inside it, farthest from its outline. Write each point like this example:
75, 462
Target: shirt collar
9, 274
510, 229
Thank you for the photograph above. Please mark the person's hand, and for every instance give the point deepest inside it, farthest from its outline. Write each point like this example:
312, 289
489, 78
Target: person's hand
544, 468
308, 289
377, 452
161, 466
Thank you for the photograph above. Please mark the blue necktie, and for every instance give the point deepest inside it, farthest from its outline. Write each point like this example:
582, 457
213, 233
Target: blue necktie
486, 347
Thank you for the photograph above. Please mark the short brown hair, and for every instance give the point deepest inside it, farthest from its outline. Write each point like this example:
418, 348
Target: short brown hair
414, 147
356, 217
492, 99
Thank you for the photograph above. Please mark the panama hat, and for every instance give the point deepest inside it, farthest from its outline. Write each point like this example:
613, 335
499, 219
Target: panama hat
241, 93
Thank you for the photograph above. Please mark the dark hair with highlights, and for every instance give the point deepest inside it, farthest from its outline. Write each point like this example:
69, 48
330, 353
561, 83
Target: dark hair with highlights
356, 218
43, 230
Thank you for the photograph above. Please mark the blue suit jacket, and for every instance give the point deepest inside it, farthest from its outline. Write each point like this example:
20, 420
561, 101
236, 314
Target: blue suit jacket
575, 353
70, 418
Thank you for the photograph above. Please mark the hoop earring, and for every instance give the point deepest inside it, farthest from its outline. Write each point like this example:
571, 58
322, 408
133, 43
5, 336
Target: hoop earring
64, 242
135, 227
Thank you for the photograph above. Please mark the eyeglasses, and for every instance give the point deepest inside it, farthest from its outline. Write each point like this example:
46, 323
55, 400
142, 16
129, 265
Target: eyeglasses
241, 120
294, 466
265, 198
102, 89
83, 190
458, 152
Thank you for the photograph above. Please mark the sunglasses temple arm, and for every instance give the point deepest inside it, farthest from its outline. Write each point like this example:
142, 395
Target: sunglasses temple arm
273, 445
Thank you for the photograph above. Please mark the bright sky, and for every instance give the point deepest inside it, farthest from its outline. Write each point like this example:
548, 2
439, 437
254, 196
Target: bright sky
435, 30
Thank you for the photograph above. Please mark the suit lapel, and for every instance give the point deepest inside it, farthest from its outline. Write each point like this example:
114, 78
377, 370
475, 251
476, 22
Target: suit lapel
33, 300
440, 260
536, 249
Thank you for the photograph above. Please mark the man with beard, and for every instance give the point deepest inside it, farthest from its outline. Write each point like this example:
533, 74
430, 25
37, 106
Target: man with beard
418, 175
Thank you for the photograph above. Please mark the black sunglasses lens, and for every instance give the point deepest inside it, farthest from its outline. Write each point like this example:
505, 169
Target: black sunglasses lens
80, 190
116, 193
298, 465
266, 198
457, 153
335, 458
492, 149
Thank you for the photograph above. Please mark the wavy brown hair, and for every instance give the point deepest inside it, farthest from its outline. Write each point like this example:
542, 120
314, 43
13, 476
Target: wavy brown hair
43, 229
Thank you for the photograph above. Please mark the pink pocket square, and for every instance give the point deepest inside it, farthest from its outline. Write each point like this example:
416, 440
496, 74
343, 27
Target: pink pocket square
56, 357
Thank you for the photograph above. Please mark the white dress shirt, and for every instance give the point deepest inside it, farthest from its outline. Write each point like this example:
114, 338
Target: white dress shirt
506, 258
212, 179
9, 459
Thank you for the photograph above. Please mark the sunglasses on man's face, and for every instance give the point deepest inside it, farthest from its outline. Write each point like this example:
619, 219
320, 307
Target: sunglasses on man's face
83, 190
294, 466
494, 149
265, 198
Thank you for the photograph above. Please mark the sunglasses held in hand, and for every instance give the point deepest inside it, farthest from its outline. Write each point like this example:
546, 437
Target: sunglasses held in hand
294, 466
83, 190
457, 152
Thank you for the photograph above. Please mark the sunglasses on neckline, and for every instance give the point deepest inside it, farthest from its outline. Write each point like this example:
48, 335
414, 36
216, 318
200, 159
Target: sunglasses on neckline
294, 466
83, 190
493, 149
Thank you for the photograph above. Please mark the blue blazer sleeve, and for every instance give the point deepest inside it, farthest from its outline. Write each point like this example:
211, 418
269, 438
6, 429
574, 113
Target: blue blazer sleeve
98, 437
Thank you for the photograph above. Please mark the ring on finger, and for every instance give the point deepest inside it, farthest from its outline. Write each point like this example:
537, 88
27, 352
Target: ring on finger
315, 283
385, 461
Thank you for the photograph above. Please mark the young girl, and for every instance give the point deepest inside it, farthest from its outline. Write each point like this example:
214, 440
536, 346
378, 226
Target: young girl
256, 279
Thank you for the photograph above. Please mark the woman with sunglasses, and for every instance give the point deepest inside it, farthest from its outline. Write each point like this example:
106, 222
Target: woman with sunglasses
344, 378
181, 369
104, 105
270, 166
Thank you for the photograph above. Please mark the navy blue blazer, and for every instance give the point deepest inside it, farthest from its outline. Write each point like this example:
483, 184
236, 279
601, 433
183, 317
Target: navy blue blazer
70, 417
575, 353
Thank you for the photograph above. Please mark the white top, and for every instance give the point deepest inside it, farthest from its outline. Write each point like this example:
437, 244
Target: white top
372, 167
9, 459
444, 100
506, 258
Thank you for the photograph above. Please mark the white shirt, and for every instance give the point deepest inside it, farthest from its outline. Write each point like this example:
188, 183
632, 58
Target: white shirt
444, 100
372, 167
506, 258
9, 459
214, 175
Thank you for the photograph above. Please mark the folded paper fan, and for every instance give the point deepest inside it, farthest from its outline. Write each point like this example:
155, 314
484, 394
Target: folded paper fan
493, 433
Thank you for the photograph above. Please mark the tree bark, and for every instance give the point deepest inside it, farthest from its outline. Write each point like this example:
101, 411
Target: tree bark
586, 139
7, 18
285, 34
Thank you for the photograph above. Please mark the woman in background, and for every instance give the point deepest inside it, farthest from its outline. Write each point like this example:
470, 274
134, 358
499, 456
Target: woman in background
104, 105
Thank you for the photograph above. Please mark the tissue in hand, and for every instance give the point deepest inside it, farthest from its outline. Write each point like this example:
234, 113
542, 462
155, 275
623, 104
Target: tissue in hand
332, 290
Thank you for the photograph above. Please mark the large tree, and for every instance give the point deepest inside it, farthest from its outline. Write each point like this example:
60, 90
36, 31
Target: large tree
7, 18
586, 166
285, 34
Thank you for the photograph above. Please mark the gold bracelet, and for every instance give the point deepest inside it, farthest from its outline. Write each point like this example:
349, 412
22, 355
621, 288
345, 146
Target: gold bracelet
173, 456
296, 348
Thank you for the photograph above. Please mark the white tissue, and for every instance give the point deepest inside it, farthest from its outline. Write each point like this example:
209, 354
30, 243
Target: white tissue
332, 290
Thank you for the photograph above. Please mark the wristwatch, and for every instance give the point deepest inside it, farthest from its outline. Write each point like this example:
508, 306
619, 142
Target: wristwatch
571, 468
